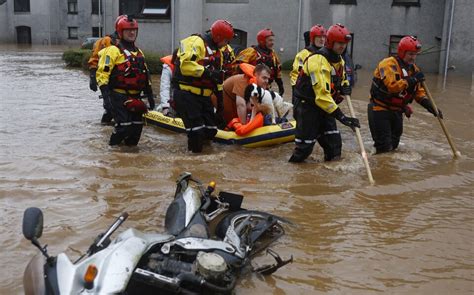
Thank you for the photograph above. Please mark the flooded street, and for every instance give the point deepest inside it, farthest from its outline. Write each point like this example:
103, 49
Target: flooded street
413, 232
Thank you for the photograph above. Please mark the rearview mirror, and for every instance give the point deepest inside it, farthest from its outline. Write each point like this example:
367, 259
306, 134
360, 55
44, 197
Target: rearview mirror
32, 223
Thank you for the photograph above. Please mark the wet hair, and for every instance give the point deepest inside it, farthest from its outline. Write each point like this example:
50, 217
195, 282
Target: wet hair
261, 67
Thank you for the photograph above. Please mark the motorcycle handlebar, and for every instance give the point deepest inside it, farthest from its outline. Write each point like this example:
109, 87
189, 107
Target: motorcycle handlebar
112, 228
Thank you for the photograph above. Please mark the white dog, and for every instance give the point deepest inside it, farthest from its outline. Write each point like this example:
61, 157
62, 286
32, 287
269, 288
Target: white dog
267, 102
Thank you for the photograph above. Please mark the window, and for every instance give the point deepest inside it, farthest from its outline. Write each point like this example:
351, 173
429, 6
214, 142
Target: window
393, 44
227, 1
21, 6
72, 6
146, 8
72, 33
95, 32
406, 3
347, 2
95, 7
239, 42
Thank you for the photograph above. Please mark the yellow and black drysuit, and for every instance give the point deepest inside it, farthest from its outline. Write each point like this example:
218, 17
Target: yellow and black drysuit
122, 75
198, 74
228, 56
255, 55
93, 62
321, 82
298, 65
395, 85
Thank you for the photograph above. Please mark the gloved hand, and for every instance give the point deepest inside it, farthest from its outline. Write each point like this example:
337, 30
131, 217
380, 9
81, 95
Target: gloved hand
281, 89
346, 90
151, 101
408, 111
216, 76
426, 103
419, 76
220, 102
92, 80
104, 89
348, 121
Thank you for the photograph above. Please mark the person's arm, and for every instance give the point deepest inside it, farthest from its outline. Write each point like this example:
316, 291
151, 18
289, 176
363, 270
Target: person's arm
107, 60
297, 65
241, 109
190, 52
319, 70
390, 76
165, 86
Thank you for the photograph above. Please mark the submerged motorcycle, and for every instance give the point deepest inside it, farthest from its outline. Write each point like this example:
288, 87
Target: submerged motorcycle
209, 241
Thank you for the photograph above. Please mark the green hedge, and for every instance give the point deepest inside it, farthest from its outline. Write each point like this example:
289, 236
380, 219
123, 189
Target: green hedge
79, 58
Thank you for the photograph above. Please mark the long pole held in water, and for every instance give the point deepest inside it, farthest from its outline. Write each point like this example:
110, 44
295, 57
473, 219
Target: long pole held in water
361, 143
456, 153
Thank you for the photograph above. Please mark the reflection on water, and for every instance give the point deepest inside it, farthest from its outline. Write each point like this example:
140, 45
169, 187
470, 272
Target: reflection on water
410, 233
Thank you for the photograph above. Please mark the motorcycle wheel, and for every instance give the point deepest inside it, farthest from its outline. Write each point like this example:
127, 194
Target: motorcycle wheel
270, 235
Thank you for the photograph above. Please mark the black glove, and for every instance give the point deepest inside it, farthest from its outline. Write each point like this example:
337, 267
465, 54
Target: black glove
419, 76
426, 103
346, 90
348, 121
220, 102
216, 76
104, 89
281, 89
92, 80
151, 100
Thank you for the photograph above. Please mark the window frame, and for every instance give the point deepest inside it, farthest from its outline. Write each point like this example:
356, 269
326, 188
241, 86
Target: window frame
16, 8
144, 15
342, 2
69, 35
406, 3
69, 2
96, 11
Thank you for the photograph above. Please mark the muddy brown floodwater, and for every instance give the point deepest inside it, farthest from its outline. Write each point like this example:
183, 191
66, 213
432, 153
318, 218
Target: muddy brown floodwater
410, 233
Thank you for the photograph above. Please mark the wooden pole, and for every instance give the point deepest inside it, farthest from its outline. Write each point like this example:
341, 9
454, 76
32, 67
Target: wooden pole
361, 143
456, 153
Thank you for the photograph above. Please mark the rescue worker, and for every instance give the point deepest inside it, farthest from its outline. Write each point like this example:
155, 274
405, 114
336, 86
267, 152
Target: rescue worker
235, 105
395, 85
198, 74
263, 53
122, 75
100, 44
317, 36
318, 90
228, 57
166, 89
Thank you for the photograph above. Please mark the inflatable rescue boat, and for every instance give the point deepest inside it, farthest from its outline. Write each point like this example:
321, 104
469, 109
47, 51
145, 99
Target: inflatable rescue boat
263, 136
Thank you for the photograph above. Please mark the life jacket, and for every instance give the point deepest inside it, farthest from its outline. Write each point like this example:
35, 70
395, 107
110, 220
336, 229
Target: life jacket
304, 86
167, 60
212, 60
248, 70
131, 74
393, 101
267, 57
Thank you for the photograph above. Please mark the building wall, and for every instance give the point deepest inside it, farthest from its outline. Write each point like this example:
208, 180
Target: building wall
461, 50
256, 15
372, 31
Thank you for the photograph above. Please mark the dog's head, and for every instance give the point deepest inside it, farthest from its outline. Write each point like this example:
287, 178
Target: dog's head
253, 90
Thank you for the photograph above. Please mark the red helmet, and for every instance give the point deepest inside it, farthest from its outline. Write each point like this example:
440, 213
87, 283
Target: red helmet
222, 30
337, 33
263, 35
408, 43
317, 30
125, 23
118, 19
